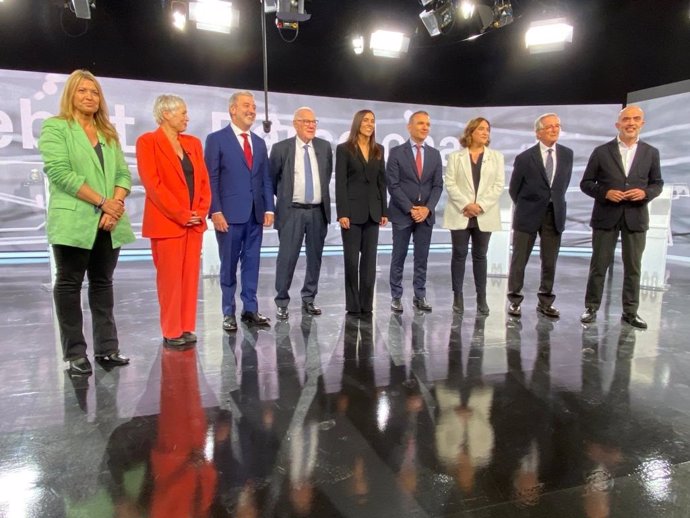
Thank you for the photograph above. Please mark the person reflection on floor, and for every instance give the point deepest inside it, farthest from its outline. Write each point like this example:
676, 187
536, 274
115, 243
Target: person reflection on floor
184, 480
522, 419
464, 437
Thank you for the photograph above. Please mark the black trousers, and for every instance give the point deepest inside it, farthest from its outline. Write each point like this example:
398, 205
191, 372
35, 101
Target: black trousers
480, 246
603, 249
549, 246
99, 264
360, 243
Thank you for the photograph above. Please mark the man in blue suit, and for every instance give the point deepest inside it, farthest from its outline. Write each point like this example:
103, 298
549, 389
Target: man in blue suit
241, 202
415, 181
538, 185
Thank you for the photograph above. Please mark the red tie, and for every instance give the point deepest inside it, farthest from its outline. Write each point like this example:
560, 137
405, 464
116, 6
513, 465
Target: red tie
247, 151
418, 160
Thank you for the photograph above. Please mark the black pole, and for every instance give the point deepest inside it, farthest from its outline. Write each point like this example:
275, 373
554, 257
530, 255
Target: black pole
266, 123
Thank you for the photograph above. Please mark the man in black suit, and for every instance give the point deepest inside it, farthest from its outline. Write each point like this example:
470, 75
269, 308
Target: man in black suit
540, 179
301, 169
415, 182
622, 176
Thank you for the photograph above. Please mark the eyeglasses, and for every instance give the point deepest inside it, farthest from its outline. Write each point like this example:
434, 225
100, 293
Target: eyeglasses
550, 127
308, 122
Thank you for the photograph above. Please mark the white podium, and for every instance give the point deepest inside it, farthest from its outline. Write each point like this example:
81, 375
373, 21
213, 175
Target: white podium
498, 255
658, 238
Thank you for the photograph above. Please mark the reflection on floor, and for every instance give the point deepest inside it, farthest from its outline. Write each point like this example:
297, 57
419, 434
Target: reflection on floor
415, 415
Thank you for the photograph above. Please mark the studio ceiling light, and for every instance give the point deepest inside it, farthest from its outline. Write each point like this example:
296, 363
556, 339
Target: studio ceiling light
179, 15
389, 44
437, 17
466, 9
214, 15
358, 44
548, 35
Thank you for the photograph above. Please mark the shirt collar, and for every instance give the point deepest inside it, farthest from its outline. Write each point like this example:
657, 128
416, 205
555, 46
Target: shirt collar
415, 144
543, 147
301, 143
238, 131
621, 143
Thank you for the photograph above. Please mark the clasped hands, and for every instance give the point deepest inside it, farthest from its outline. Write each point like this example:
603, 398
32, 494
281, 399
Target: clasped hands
111, 212
617, 196
419, 213
472, 210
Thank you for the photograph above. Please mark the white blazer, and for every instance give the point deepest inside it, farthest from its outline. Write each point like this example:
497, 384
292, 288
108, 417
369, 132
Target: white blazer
460, 188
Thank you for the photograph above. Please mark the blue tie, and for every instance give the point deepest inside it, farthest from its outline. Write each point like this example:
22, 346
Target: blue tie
308, 179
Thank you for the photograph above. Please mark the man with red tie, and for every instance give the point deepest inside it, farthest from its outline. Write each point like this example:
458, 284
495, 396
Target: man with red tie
414, 175
241, 204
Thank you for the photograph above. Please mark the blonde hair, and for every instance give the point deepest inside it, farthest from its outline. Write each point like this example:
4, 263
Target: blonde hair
101, 117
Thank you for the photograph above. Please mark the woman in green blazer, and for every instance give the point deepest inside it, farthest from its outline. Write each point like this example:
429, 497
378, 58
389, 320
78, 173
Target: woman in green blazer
86, 222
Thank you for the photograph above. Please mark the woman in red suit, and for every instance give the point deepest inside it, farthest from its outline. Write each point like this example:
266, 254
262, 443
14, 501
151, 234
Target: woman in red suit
172, 169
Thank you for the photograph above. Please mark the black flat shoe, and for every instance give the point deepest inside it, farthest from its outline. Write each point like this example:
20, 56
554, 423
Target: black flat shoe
113, 359
80, 367
282, 313
229, 323
189, 337
310, 308
634, 320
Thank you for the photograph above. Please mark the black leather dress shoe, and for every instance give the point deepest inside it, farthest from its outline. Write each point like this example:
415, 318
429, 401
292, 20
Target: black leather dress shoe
310, 308
589, 316
80, 367
229, 323
189, 337
282, 313
421, 304
115, 359
634, 320
255, 318
175, 342
396, 305
514, 310
548, 311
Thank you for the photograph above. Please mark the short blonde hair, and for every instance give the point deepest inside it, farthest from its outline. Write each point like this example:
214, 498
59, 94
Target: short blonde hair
166, 103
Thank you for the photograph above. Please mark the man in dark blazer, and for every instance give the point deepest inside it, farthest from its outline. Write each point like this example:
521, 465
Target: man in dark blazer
414, 175
622, 176
540, 179
301, 170
241, 203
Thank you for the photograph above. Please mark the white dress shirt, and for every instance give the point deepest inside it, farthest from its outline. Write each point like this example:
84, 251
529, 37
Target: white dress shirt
627, 154
298, 188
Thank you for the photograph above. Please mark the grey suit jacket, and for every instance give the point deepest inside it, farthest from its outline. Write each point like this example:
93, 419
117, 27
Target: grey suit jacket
282, 161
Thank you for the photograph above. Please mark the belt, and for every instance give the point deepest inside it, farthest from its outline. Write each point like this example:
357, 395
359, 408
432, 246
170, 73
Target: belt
306, 205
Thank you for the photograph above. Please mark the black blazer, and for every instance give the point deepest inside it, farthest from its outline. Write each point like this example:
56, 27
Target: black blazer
605, 171
530, 191
360, 186
407, 189
283, 175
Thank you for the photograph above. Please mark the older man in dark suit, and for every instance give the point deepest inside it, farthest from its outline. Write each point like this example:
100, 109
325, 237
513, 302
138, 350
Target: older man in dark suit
622, 176
538, 185
301, 169
414, 175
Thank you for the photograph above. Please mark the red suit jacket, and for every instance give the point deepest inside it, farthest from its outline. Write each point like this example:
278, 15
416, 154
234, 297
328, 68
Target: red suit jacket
167, 206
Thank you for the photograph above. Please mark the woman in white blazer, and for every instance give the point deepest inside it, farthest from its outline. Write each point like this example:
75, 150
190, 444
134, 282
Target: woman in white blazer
474, 181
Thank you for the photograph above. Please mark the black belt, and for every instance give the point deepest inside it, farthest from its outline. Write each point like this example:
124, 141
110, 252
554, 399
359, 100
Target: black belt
306, 205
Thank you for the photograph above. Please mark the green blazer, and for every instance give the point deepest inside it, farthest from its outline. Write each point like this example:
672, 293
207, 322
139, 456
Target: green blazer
69, 162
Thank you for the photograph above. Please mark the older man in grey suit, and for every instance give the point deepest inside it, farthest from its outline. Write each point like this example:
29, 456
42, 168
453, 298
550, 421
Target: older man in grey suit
301, 168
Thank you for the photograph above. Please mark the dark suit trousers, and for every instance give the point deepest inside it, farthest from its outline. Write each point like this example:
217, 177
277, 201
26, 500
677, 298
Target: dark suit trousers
300, 224
99, 264
401, 242
360, 243
549, 246
241, 243
480, 247
603, 249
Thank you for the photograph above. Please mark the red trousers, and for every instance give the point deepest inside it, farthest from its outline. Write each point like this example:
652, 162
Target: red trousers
177, 261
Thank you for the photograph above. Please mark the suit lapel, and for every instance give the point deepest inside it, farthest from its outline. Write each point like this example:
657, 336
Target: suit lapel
82, 141
636, 159
539, 163
466, 163
166, 149
616, 155
412, 159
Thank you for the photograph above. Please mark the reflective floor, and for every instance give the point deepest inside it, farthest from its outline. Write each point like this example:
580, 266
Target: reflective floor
415, 415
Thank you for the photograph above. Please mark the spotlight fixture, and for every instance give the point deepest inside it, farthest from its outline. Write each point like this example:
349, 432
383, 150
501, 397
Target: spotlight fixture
388, 44
548, 35
437, 16
466, 9
291, 11
503, 13
358, 44
214, 15
179, 14
82, 8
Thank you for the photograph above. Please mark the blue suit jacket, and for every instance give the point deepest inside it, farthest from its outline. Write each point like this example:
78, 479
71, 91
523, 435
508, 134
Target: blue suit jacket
530, 190
237, 191
407, 189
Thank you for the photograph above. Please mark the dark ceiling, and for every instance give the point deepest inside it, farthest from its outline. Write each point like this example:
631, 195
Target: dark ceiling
619, 46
